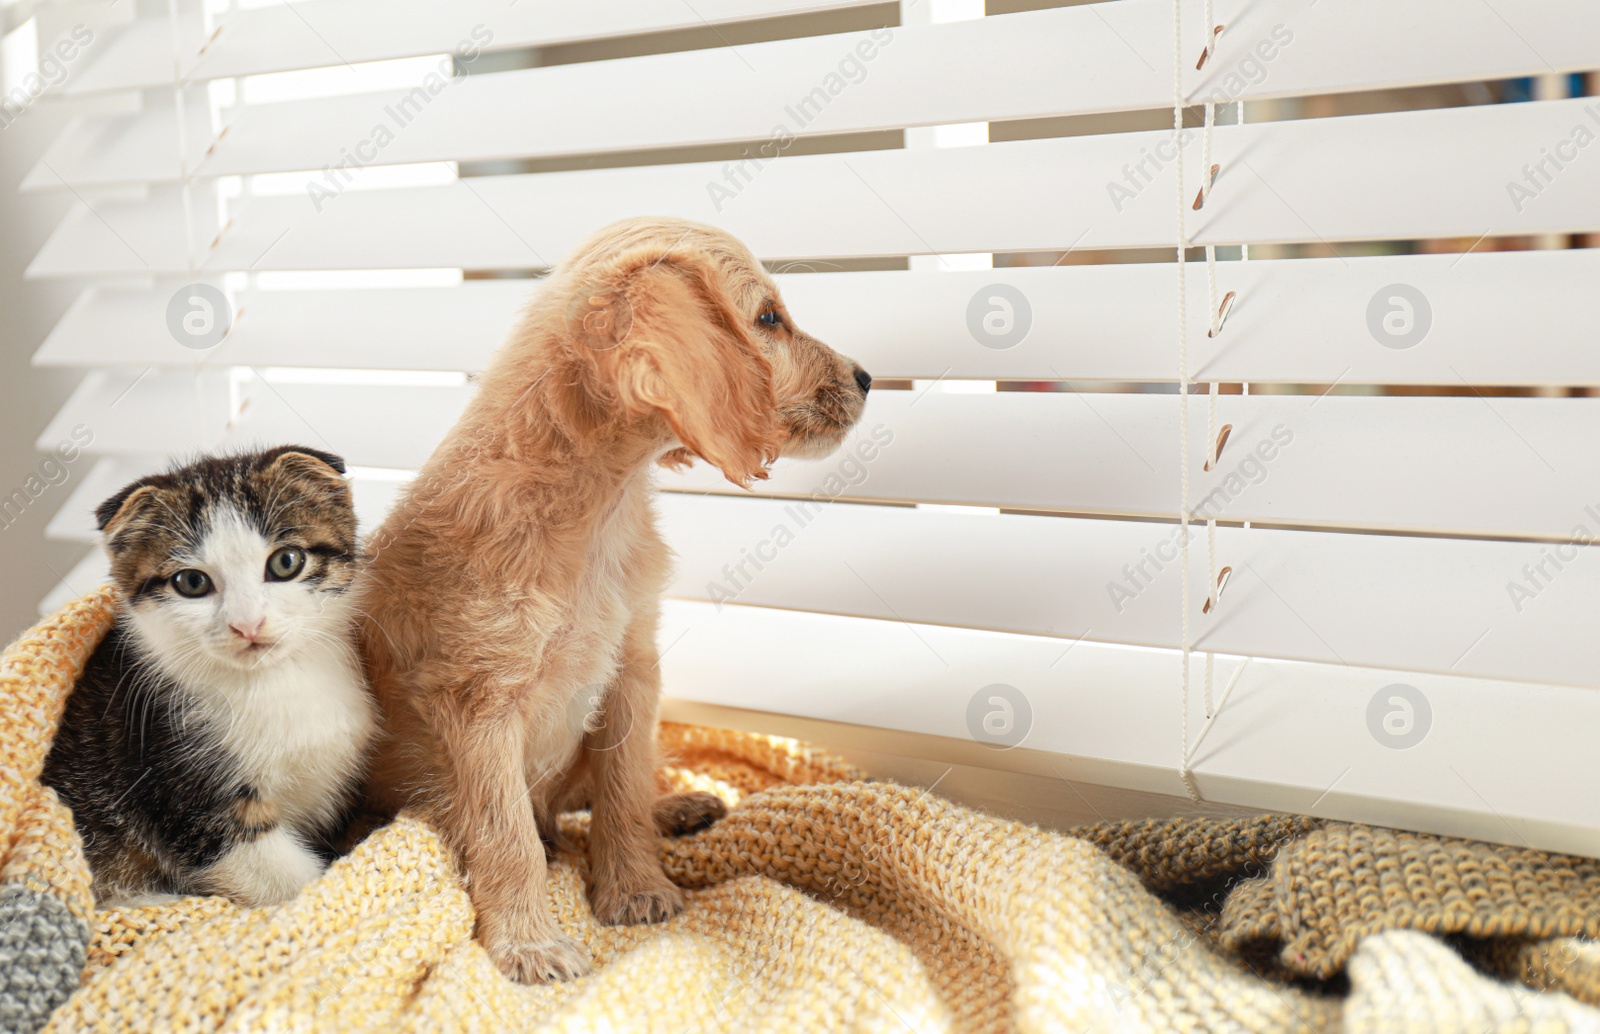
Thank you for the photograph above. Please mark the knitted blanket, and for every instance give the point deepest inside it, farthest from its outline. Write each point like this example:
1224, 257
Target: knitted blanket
822, 902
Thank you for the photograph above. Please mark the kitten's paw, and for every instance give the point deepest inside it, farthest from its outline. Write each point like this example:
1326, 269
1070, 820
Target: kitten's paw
265, 871
678, 814
539, 962
615, 905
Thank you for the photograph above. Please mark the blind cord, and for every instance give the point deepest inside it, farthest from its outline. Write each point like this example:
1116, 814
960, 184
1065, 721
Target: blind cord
1209, 170
1213, 590
1183, 393
1214, 312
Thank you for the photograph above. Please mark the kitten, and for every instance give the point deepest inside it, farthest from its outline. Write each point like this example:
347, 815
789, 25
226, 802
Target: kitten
216, 737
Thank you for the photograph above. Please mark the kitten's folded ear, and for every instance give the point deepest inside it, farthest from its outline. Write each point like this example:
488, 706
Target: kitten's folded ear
116, 511
272, 456
315, 476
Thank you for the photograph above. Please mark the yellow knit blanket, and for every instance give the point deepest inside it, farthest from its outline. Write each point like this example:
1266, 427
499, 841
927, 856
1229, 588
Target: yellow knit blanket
823, 902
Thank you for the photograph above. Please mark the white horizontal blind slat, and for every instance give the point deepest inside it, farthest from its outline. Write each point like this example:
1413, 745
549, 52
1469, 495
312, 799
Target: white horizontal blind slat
1439, 605
428, 328
1071, 61
1409, 464
1295, 321
279, 38
1403, 175
1414, 464
390, 426
1358, 44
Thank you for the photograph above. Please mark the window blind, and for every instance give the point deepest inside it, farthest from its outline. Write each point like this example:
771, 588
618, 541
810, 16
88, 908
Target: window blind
1389, 454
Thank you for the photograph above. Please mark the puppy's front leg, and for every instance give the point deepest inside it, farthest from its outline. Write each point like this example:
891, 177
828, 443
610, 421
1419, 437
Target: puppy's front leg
626, 882
493, 827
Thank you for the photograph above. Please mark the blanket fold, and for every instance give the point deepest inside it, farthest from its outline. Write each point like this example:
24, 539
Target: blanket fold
1340, 883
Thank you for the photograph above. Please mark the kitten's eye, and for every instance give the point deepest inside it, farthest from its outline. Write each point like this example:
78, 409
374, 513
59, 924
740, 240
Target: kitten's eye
191, 583
285, 563
770, 318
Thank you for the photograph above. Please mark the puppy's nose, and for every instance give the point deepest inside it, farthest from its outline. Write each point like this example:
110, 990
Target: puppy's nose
249, 629
864, 380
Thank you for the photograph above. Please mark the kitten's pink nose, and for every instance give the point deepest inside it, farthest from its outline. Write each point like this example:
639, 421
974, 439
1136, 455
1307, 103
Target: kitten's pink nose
248, 628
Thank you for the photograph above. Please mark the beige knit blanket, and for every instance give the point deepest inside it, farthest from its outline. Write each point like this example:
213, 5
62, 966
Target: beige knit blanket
823, 902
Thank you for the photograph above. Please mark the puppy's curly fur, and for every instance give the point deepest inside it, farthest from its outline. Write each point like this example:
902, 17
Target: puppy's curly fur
511, 599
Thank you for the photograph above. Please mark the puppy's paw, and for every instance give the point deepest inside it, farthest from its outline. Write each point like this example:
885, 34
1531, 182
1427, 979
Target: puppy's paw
539, 962
678, 814
656, 903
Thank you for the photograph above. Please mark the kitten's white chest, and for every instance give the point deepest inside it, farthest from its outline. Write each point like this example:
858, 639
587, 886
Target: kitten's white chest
299, 732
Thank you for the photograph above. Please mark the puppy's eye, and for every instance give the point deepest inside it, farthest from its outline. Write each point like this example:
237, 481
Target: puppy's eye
191, 583
770, 318
285, 563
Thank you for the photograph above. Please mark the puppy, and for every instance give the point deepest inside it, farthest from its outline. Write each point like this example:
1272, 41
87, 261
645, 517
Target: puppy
511, 600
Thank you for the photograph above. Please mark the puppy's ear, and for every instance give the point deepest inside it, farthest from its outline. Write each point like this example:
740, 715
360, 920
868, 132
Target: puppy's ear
670, 340
676, 459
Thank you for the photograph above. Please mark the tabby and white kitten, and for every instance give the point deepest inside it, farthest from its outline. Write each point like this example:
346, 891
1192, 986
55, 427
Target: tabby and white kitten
215, 739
